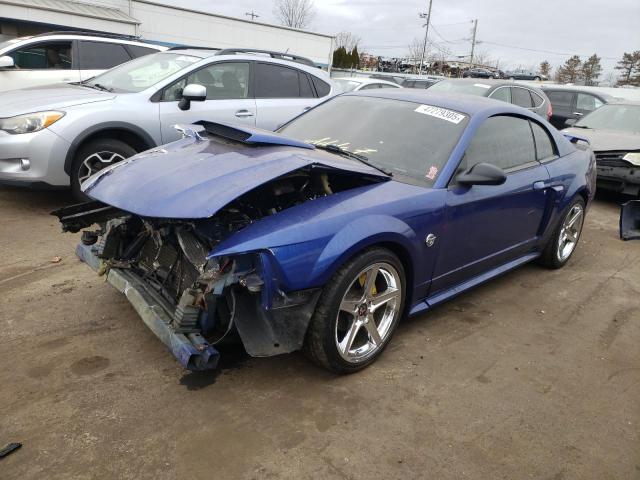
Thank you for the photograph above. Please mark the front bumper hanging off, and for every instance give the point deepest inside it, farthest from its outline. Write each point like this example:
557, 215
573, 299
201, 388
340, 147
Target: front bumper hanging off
191, 349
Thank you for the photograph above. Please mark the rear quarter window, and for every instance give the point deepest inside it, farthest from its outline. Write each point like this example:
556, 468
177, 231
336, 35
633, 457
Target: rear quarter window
521, 97
102, 55
322, 87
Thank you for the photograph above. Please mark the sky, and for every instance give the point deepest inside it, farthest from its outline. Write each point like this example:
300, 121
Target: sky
516, 32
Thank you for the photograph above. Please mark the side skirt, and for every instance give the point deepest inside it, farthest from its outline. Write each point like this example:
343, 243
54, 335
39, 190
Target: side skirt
444, 295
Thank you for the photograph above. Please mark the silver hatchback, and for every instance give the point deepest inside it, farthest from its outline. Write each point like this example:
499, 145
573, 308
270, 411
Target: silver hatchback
59, 135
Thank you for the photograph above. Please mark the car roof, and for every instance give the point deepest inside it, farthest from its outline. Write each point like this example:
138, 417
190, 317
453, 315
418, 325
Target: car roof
494, 83
469, 104
562, 88
211, 53
86, 36
366, 80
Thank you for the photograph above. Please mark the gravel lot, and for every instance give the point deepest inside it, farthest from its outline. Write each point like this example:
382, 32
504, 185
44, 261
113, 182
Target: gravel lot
535, 375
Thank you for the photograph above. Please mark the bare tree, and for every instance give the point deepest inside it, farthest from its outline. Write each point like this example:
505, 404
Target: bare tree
482, 58
416, 47
294, 13
347, 40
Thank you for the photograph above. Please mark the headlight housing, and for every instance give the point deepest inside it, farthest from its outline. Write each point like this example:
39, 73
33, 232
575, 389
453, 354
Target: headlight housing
633, 158
29, 123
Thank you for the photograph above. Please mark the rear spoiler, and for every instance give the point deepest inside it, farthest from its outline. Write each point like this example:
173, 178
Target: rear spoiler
251, 135
574, 139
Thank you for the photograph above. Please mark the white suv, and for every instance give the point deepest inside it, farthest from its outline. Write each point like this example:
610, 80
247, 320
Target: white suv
64, 57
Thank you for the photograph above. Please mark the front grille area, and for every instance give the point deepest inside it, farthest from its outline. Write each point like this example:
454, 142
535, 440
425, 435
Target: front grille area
611, 159
166, 269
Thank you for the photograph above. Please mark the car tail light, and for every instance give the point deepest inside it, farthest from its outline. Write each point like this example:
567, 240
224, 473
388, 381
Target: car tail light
549, 110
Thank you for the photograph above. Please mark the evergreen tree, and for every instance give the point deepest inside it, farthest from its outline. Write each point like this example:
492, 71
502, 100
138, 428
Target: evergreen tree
591, 70
570, 72
355, 58
545, 69
630, 65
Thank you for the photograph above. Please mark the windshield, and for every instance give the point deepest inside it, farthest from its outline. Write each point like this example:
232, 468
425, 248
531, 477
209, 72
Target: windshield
141, 73
625, 118
468, 88
347, 85
12, 42
410, 140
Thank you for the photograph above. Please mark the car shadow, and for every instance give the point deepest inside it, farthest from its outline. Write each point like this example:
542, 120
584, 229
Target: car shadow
35, 199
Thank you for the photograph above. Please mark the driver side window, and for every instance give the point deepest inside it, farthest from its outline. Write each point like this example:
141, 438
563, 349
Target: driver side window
503, 141
229, 80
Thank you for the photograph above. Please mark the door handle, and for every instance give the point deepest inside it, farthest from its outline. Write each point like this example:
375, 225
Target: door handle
542, 185
244, 114
306, 108
578, 114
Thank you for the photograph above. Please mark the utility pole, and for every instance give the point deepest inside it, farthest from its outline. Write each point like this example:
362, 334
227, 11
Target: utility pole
252, 15
426, 35
473, 42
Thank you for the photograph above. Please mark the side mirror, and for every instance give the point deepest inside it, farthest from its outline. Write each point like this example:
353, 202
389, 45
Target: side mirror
482, 174
7, 62
192, 93
570, 122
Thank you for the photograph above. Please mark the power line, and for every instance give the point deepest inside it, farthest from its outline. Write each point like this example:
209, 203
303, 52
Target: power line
537, 50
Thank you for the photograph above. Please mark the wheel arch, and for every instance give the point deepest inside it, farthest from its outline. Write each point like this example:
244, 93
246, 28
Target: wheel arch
133, 135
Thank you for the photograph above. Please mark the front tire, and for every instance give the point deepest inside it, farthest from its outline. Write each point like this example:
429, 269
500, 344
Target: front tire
357, 313
93, 157
564, 240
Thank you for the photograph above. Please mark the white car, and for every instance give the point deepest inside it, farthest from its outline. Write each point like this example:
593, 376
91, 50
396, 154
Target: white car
64, 57
353, 84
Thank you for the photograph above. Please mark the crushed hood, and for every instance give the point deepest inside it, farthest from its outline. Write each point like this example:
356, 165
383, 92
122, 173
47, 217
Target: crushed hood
51, 97
194, 179
607, 140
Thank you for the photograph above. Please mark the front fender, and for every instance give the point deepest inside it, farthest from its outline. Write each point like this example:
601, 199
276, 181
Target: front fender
357, 236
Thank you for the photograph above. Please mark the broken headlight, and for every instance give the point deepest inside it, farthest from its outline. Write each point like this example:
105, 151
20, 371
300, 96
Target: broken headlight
29, 123
633, 158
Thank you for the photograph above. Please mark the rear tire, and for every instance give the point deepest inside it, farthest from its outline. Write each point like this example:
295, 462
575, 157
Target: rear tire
357, 313
565, 238
93, 157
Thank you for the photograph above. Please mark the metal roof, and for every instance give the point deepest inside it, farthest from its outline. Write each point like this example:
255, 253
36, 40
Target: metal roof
75, 8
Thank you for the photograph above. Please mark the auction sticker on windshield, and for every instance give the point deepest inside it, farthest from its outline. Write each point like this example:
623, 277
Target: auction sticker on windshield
441, 113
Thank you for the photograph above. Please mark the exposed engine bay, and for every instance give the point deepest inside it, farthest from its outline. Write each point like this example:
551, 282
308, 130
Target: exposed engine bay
169, 257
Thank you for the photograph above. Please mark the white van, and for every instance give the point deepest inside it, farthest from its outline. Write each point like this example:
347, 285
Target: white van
64, 57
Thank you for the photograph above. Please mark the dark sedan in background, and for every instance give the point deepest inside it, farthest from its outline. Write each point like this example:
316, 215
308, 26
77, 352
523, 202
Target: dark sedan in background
480, 73
572, 103
614, 133
526, 96
525, 75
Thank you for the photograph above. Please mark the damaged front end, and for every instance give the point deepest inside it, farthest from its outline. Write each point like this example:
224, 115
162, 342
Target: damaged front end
193, 300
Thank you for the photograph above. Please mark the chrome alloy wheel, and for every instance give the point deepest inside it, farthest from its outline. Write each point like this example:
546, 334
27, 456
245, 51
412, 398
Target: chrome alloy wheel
368, 311
96, 162
570, 232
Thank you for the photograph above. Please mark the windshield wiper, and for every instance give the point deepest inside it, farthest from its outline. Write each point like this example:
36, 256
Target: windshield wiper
582, 126
355, 156
96, 86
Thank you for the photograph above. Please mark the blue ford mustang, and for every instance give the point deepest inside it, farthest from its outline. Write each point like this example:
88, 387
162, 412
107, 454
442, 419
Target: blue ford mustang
322, 235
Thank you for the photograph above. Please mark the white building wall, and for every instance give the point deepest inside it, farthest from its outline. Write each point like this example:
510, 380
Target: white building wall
182, 26
173, 25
